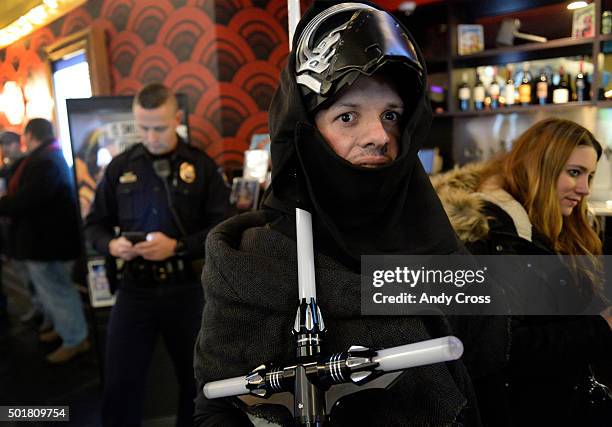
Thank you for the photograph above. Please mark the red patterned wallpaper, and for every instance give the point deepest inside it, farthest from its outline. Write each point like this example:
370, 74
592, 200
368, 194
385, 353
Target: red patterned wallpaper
226, 55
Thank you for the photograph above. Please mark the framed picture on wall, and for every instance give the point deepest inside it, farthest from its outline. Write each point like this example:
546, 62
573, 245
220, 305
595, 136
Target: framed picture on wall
583, 23
470, 39
100, 294
245, 193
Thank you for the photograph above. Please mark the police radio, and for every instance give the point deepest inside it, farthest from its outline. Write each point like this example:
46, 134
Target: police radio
163, 170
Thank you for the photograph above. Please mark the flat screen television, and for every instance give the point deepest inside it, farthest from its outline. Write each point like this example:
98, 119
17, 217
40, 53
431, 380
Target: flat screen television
100, 128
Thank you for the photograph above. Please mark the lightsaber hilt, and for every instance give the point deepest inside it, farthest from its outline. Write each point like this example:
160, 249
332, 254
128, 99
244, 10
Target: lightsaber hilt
308, 329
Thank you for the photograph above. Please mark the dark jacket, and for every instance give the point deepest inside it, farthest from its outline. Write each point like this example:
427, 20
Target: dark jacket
42, 207
251, 294
549, 355
7, 238
133, 198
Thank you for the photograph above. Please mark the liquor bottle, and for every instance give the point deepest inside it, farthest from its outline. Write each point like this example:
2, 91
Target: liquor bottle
525, 86
509, 95
494, 90
479, 93
561, 92
569, 85
464, 94
542, 88
582, 91
587, 87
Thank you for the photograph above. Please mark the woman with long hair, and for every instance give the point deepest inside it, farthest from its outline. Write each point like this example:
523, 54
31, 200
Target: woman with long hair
532, 201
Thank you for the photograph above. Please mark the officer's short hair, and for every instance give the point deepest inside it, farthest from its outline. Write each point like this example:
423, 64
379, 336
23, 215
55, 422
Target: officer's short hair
41, 129
8, 138
154, 95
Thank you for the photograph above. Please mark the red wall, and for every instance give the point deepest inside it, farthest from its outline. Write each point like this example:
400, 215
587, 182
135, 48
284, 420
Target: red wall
226, 55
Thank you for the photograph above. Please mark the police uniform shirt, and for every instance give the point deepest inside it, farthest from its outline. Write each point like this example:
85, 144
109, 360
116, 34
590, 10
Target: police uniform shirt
132, 197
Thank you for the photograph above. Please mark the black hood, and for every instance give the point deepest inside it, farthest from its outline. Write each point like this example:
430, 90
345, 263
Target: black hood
356, 211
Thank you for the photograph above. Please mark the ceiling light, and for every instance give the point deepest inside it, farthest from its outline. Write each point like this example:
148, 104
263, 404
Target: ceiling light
35, 18
51, 3
577, 5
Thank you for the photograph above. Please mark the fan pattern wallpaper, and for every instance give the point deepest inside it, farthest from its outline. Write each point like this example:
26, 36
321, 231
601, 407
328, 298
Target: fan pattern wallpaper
226, 55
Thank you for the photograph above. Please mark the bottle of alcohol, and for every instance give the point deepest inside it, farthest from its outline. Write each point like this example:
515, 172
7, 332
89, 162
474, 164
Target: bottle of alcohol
582, 91
561, 92
464, 94
479, 93
542, 88
494, 90
509, 95
587, 87
525, 86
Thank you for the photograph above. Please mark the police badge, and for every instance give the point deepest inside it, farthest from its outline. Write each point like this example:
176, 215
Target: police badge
187, 172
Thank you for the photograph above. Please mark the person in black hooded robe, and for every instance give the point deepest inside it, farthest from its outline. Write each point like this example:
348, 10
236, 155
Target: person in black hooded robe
346, 123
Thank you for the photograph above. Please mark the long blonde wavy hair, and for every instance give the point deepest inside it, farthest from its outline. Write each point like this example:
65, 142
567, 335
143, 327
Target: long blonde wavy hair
530, 171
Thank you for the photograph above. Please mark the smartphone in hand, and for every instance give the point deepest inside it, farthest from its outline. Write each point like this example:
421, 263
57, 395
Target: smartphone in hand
135, 236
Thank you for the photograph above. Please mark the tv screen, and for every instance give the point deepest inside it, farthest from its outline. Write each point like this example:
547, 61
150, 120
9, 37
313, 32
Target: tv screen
101, 127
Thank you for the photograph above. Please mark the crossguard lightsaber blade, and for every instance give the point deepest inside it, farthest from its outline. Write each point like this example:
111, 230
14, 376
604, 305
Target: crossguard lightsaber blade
357, 365
314, 376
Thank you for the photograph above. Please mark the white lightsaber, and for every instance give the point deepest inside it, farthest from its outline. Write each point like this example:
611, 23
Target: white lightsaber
293, 17
305, 255
223, 388
391, 359
419, 353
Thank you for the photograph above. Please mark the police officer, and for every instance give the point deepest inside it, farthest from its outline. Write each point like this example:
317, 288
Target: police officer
164, 196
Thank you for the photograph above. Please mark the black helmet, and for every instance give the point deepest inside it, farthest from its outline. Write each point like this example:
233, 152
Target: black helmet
347, 40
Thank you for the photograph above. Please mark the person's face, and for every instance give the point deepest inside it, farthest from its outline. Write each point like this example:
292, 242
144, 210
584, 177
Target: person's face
363, 124
30, 141
157, 127
12, 151
575, 179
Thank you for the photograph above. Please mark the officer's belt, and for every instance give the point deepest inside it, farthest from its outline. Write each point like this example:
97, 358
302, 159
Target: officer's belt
173, 270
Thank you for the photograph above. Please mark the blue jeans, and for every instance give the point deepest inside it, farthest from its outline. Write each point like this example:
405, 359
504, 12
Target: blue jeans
59, 298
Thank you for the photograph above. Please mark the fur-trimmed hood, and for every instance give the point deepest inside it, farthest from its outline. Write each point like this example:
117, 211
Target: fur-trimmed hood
464, 204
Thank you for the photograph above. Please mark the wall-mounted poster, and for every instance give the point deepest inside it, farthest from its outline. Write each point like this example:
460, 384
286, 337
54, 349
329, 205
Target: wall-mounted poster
470, 39
583, 23
100, 294
245, 193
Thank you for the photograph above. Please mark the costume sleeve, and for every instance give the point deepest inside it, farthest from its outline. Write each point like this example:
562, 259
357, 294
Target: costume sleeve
215, 209
218, 413
577, 338
38, 184
102, 216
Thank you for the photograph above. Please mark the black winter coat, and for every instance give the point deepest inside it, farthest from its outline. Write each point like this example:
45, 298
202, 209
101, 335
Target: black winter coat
549, 355
43, 207
250, 289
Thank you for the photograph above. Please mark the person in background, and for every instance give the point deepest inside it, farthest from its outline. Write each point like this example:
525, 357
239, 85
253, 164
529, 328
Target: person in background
10, 144
164, 196
532, 201
41, 203
12, 154
344, 141
11, 149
